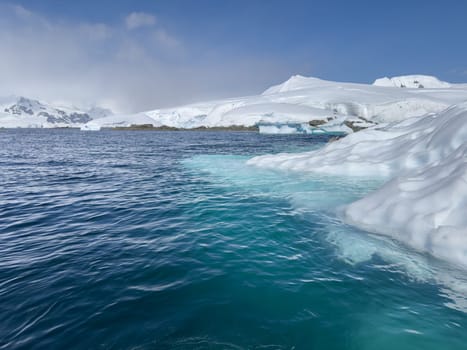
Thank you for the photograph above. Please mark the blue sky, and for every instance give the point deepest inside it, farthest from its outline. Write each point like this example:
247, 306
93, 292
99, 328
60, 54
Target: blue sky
134, 55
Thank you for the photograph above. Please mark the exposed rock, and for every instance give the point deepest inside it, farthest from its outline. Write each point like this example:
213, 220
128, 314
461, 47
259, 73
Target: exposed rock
317, 122
359, 124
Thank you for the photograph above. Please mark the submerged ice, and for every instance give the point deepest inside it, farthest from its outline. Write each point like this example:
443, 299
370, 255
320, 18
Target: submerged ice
321, 199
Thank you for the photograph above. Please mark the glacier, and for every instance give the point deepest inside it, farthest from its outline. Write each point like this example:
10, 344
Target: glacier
336, 106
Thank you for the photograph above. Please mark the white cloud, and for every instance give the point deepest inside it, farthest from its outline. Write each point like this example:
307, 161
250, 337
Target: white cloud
87, 64
165, 39
97, 31
21, 12
139, 19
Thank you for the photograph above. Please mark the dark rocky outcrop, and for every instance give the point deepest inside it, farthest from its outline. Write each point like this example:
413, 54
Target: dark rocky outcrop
317, 122
356, 125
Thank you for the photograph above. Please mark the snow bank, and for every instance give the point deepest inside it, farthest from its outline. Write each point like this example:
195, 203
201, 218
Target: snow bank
425, 209
413, 82
425, 203
384, 151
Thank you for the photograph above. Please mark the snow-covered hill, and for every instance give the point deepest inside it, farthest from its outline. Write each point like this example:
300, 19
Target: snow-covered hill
21, 112
331, 105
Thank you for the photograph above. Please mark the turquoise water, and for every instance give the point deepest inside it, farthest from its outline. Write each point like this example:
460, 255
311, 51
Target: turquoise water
137, 240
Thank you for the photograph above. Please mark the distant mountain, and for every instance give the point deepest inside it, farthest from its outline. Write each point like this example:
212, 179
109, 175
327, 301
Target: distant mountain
23, 112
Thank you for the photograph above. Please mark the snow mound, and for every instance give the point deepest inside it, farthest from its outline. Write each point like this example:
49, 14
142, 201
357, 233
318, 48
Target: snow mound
413, 82
296, 82
424, 204
425, 209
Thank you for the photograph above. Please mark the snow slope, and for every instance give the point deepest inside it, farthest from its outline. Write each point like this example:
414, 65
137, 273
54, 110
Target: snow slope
21, 112
425, 203
301, 100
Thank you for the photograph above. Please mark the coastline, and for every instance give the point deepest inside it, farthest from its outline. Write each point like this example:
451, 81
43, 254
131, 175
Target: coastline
148, 127
234, 128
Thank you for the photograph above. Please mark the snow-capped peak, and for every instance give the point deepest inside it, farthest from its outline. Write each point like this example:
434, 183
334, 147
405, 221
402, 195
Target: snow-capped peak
24, 106
25, 112
295, 82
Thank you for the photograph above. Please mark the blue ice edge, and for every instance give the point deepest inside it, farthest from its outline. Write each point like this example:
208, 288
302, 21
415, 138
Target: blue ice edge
324, 197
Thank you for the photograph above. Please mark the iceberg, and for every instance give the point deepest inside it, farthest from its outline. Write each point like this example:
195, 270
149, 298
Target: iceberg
424, 160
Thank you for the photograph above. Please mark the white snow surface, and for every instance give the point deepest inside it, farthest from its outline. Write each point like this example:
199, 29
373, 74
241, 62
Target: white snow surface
412, 82
424, 204
302, 99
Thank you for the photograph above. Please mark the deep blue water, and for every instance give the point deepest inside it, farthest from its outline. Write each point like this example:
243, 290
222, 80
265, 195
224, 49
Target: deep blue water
135, 240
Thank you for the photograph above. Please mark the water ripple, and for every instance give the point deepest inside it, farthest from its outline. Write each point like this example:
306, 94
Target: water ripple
167, 240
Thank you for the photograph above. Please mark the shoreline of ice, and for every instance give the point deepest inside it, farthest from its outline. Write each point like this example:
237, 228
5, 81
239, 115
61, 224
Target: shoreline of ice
424, 203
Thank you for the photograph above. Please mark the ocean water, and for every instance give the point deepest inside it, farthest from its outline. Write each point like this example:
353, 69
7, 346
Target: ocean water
167, 240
